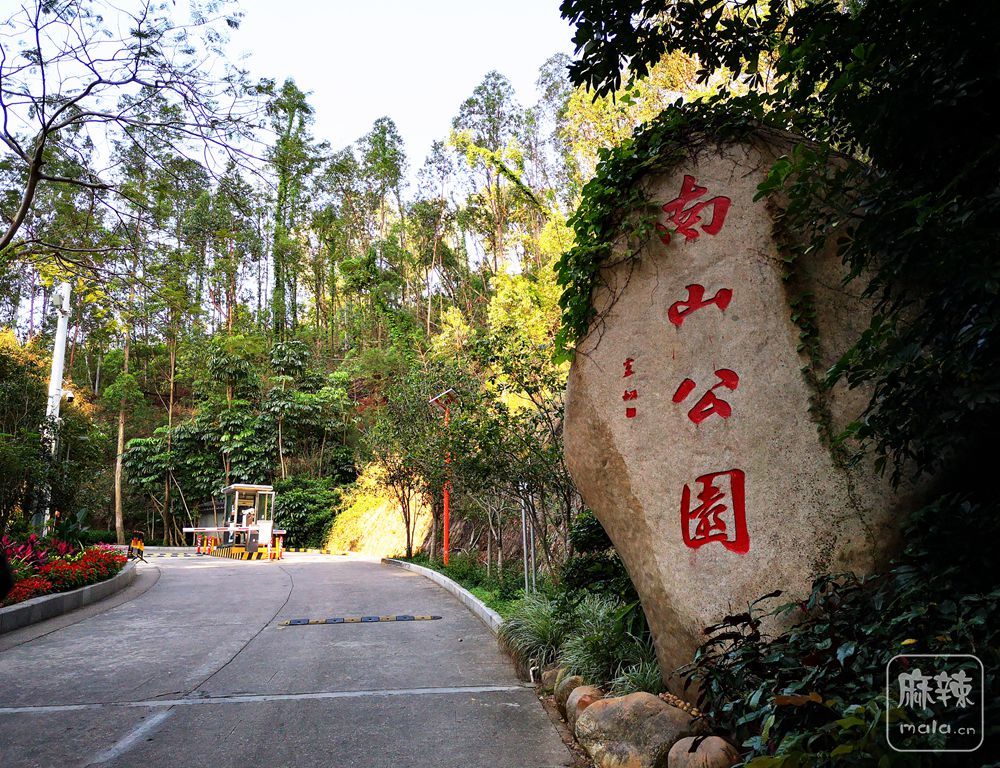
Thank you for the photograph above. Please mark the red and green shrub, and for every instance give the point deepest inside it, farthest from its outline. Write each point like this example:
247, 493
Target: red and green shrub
41, 567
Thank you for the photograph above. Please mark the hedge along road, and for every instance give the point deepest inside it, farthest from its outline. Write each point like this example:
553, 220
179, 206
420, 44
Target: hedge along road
197, 670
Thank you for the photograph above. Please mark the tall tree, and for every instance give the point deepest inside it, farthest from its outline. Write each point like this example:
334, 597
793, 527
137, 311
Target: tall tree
65, 69
293, 157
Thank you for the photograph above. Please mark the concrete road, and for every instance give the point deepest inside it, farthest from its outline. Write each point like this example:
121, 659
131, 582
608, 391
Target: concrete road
190, 667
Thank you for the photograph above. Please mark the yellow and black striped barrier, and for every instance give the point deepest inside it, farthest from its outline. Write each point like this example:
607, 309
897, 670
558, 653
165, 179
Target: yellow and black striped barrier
175, 554
356, 620
312, 551
234, 553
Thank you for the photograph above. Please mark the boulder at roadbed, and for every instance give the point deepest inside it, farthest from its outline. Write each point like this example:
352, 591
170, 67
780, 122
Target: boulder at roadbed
694, 426
549, 678
634, 731
581, 698
564, 688
709, 752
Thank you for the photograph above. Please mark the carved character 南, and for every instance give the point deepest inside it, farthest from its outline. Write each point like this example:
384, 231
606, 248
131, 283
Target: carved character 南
685, 214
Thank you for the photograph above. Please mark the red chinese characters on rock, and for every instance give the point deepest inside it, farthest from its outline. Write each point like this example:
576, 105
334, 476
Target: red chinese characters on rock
720, 513
709, 404
685, 214
696, 300
630, 395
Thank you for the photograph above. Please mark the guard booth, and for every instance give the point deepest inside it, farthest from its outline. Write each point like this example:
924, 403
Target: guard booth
247, 522
249, 515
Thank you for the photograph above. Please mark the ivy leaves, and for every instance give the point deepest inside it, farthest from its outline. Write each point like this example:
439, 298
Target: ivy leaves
614, 217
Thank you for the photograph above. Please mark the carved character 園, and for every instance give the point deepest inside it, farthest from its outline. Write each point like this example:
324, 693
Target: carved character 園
720, 513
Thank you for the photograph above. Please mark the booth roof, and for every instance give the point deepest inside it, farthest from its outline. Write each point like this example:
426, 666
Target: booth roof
246, 487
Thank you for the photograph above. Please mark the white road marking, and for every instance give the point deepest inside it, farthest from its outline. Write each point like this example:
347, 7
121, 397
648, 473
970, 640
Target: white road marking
126, 743
262, 697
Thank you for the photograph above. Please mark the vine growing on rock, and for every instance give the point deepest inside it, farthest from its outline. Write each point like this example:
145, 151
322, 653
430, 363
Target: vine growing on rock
615, 212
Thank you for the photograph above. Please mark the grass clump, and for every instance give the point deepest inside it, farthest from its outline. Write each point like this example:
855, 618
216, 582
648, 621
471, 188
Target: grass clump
534, 632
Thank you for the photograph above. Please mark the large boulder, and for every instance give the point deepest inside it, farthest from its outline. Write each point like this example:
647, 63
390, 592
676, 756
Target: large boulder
581, 698
549, 678
564, 688
634, 731
695, 426
703, 752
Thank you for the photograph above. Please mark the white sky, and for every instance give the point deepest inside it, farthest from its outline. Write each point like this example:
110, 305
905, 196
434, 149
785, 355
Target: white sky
413, 60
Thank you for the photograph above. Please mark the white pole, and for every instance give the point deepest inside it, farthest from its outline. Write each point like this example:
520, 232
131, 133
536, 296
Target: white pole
534, 569
524, 546
60, 304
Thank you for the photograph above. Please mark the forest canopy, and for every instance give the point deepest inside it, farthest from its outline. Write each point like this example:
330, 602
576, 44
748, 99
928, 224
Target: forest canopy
253, 304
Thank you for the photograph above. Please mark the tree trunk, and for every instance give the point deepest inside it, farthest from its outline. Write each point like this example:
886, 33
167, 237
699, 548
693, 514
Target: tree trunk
435, 512
499, 547
404, 501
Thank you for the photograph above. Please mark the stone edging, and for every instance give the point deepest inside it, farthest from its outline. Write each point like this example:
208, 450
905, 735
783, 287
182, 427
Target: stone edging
48, 606
487, 615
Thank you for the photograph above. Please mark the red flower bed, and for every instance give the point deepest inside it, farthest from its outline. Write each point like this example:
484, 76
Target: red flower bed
91, 566
43, 571
25, 589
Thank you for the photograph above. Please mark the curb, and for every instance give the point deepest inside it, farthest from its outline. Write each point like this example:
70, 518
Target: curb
47, 606
487, 615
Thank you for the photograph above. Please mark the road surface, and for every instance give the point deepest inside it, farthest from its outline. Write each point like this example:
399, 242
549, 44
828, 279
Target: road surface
190, 667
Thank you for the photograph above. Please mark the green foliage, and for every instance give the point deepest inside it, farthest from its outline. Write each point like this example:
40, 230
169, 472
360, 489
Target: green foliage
595, 566
588, 535
124, 393
600, 646
305, 507
848, 630
30, 477
641, 676
465, 568
615, 219
89, 537
534, 632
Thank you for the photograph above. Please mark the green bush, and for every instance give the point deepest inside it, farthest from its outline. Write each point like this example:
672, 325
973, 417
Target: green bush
642, 676
466, 569
586, 534
595, 566
534, 632
305, 507
90, 536
600, 643
930, 602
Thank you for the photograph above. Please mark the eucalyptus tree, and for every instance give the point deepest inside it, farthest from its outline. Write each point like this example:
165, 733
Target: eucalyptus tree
487, 135
294, 157
383, 168
338, 228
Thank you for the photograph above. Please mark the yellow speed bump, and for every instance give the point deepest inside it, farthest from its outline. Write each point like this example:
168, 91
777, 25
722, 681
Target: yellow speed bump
357, 620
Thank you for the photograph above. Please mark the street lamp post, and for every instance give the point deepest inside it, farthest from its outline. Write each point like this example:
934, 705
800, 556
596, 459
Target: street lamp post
60, 305
443, 402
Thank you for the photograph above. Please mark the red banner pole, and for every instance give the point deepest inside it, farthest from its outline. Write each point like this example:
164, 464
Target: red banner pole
447, 499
